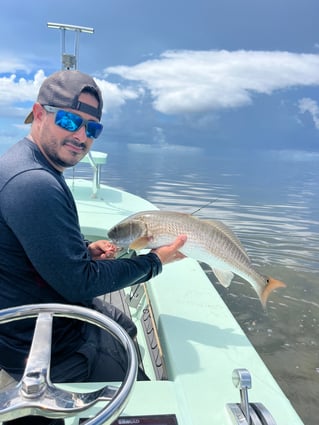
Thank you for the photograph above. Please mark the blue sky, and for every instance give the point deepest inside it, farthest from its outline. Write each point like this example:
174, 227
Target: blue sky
210, 73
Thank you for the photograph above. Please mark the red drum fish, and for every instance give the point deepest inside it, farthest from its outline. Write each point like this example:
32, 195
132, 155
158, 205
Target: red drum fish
208, 241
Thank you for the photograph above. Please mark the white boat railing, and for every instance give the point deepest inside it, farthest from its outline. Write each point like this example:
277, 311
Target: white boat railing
96, 159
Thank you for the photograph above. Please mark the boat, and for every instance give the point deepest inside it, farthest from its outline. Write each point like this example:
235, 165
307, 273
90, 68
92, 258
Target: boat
203, 369
189, 342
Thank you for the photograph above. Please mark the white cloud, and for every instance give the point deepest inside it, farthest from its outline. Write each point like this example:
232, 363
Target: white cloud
159, 137
184, 82
114, 96
11, 65
19, 90
197, 81
309, 105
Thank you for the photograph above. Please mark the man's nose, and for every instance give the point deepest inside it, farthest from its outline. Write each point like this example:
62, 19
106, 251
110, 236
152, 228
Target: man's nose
81, 134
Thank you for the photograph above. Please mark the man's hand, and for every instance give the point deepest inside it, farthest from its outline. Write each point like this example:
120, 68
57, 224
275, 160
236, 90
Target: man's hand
170, 253
102, 250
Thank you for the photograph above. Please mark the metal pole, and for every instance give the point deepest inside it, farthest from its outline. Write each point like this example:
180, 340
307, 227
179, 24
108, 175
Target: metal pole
70, 61
76, 47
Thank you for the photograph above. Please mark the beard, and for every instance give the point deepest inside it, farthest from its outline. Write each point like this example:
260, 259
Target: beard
63, 153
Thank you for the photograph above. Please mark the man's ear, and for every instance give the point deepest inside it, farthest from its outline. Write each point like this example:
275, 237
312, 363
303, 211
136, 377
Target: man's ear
38, 111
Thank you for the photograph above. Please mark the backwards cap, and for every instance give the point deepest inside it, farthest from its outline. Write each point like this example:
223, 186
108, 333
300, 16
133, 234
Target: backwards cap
63, 88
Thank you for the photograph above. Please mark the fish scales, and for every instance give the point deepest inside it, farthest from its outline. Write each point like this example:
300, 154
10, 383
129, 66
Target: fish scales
205, 234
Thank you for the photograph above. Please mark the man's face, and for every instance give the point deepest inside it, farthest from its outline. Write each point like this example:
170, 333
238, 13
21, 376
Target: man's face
62, 148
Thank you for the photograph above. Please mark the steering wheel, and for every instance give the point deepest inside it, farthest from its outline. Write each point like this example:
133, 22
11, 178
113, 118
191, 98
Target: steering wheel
35, 394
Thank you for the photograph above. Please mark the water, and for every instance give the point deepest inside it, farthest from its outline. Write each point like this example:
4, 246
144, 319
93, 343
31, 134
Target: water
271, 201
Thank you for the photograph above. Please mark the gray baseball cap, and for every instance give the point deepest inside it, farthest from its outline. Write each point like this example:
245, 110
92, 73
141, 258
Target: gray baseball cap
63, 88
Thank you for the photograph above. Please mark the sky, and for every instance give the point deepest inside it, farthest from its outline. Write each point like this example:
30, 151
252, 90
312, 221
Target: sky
211, 73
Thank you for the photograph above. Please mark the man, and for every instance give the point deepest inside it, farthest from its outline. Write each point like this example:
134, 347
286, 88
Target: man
44, 257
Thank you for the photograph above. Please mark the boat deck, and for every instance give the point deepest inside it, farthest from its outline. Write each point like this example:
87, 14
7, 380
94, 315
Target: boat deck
200, 341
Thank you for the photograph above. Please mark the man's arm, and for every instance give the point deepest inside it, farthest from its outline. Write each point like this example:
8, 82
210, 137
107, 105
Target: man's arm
41, 214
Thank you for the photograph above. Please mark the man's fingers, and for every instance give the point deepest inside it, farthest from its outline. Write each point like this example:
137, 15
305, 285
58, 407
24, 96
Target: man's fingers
170, 253
179, 242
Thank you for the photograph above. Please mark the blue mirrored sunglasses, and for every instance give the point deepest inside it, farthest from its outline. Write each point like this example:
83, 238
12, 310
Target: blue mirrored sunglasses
73, 122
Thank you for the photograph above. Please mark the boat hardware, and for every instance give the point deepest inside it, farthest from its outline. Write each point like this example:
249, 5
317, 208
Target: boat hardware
245, 413
70, 60
137, 293
96, 159
35, 394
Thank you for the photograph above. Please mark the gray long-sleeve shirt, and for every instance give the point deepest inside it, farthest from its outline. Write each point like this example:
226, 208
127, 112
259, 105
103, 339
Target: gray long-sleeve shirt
43, 256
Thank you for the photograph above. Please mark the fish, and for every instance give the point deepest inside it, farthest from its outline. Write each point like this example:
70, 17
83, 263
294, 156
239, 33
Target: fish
208, 241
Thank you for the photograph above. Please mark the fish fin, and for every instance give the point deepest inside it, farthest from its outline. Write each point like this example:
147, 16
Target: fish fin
224, 277
140, 243
272, 284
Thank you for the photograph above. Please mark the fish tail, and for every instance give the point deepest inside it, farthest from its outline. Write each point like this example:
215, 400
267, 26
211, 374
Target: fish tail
271, 285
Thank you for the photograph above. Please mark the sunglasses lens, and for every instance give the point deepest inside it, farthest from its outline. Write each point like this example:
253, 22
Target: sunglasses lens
93, 129
68, 121
72, 122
